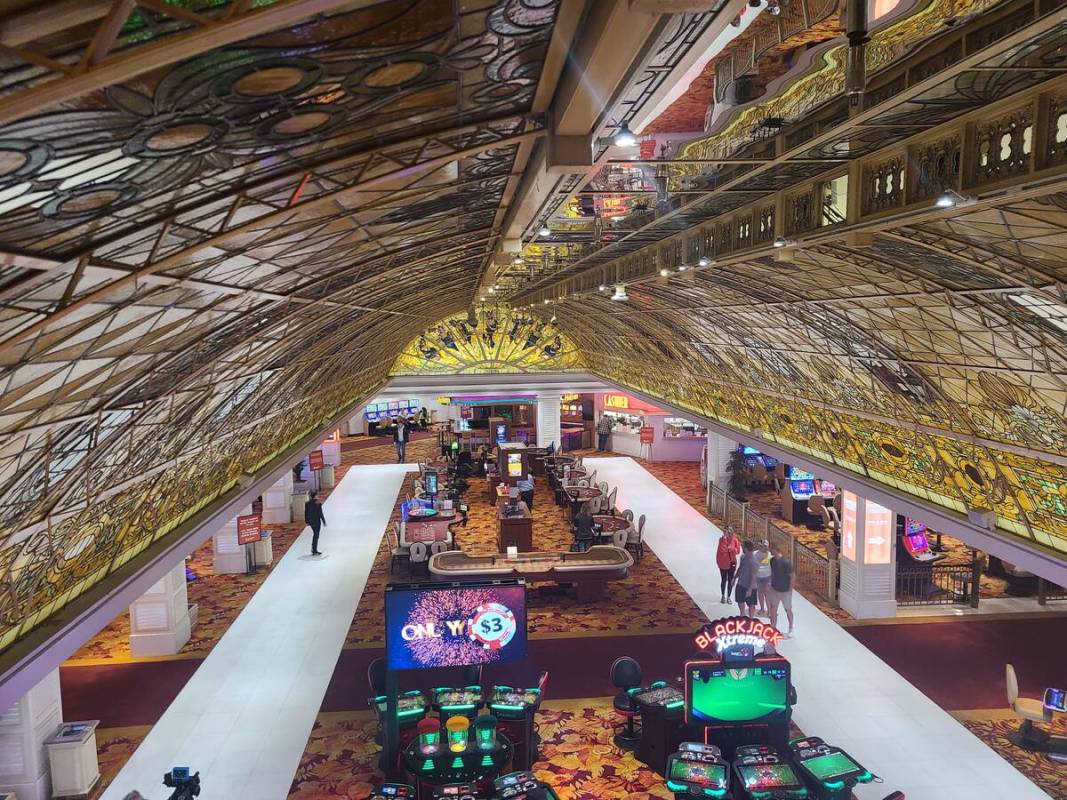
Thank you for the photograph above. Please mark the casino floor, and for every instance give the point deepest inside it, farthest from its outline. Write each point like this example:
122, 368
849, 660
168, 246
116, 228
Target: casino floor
279, 663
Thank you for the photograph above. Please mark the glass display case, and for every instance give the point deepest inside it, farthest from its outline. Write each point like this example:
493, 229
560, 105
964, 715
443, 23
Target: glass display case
626, 422
678, 428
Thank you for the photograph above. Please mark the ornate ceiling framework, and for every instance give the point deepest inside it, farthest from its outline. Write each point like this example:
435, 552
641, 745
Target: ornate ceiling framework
209, 258
205, 257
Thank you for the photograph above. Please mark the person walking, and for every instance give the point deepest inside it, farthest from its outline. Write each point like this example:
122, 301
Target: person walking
726, 560
745, 594
763, 577
603, 431
781, 592
314, 517
401, 435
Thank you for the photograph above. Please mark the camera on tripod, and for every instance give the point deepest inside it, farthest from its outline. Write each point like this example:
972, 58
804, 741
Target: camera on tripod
185, 786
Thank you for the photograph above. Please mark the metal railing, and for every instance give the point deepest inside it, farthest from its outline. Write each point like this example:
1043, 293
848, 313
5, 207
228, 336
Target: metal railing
812, 570
1049, 591
938, 585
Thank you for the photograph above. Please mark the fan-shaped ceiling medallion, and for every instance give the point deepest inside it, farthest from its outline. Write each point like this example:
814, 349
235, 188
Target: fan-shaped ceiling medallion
492, 339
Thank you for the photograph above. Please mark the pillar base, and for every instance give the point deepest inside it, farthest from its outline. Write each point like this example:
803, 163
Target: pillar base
326, 477
229, 563
163, 643
40, 789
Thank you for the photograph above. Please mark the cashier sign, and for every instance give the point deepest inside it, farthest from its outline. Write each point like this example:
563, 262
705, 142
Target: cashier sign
492, 625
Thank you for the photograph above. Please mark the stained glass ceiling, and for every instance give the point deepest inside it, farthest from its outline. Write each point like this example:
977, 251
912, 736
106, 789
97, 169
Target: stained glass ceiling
215, 238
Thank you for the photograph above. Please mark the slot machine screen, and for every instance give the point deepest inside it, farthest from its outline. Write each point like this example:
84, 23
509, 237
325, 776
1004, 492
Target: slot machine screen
374, 416
749, 451
912, 527
394, 405
501, 432
455, 625
711, 776
831, 765
797, 474
414, 405
721, 694
514, 465
431, 483
768, 776
828, 489
803, 488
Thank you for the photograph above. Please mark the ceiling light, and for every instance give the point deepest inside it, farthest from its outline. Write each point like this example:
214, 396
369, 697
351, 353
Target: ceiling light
620, 292
664, 272
950, 198
601, 288
618, 218
546, 301
704, 261
492, 290
682, 268
775, 9
545, 231
624, 137
553, 318
781, 241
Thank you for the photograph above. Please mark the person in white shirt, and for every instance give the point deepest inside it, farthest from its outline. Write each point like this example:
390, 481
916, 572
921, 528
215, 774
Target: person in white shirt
763, 578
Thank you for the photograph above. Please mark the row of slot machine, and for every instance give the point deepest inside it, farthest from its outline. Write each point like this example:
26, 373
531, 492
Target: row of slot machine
808, 769
521, 785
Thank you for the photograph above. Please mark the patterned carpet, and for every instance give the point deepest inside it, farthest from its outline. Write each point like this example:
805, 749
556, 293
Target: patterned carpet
649, 600
578, 757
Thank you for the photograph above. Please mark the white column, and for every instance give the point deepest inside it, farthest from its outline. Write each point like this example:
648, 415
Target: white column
868, 558
277, 508
331, 452
229, 556
548, 430
160, 619
719, 450
357, 424
23, 729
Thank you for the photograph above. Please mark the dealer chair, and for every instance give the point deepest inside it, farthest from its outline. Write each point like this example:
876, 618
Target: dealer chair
438, 547
1030, 710
620, 537
419, 556
635, 537
830, 519
816, 503
611, 501
628, 515
602, 486
399, 553
626, 675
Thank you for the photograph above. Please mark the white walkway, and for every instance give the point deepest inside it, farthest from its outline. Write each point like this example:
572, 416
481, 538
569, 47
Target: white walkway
846, 694
244, 718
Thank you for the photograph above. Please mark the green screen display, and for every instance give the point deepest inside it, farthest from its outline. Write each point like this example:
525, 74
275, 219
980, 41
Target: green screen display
768, 776
711, 776
722, 694
830, 766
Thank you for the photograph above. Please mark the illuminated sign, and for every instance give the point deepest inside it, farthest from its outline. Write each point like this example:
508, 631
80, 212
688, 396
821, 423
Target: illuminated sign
316, 460
570, 398
444, 400
726, 633
849, 519
616, 401
878, 532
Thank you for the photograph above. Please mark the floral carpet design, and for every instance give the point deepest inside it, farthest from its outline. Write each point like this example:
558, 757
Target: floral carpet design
220, 598
114, 746
993, 728
650, 600
579, 759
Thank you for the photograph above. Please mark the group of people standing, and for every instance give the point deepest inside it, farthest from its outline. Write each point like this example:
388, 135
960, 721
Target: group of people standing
758, 576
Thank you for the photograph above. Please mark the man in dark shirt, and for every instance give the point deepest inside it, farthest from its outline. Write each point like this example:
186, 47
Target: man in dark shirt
583, 530
781, 591
314, 517
401, 435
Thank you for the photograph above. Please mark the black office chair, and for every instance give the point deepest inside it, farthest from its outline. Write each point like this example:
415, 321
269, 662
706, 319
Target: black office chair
472, 675
376, 673
626, 675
